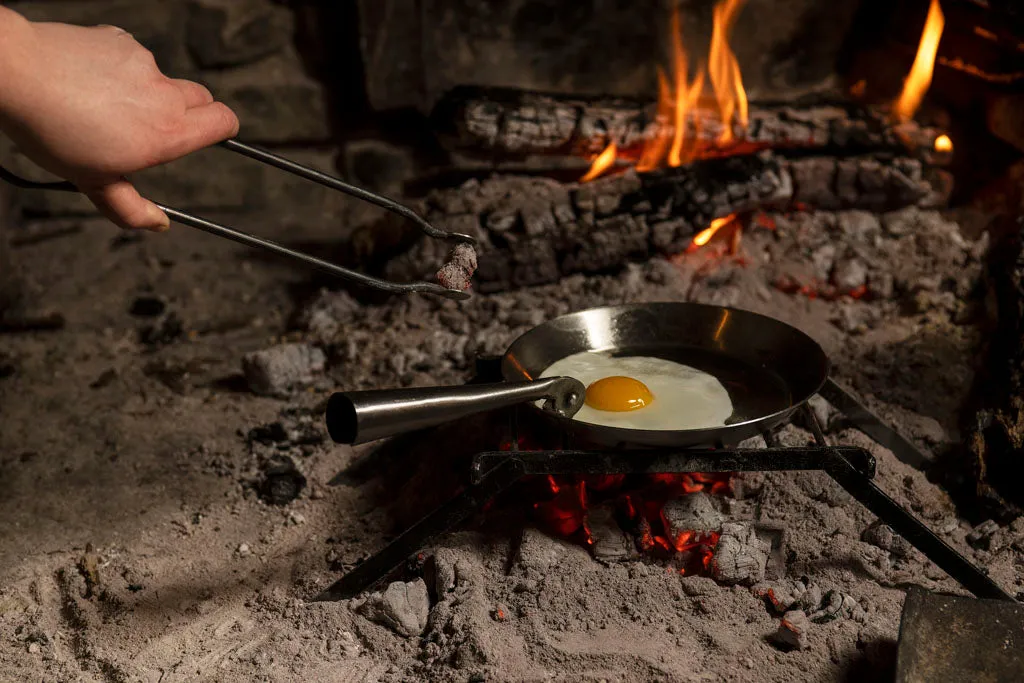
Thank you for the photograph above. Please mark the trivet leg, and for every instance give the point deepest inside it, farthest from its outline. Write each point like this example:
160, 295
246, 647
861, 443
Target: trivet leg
415, 537
909, 527
867, 422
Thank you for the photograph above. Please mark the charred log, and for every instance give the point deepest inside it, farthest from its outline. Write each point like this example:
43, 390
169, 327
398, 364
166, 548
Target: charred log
535, 230
995, 427
504, 122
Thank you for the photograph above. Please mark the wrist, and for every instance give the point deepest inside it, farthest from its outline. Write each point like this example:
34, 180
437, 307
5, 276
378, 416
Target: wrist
15, 39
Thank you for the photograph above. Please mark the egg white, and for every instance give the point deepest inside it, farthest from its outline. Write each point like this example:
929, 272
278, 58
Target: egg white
684, 397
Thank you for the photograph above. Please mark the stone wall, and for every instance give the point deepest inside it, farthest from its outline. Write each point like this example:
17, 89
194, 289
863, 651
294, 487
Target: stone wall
415, 50
245, 52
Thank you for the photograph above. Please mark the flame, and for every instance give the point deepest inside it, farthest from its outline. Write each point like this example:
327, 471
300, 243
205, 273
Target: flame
676, 140
725, 71
705, 235
686, 95
654, 150
943, 144
920, 76
602, 163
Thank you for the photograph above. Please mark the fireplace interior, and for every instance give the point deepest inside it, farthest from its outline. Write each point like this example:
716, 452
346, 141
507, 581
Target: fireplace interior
178, 510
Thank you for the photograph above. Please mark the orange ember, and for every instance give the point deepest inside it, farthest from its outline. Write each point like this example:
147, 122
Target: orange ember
943, 144
602, 163
641, 502
920, 77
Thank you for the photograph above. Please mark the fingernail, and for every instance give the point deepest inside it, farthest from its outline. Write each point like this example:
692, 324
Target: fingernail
162, 221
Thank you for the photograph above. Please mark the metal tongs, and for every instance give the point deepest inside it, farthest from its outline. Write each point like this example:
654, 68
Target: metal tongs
253, 241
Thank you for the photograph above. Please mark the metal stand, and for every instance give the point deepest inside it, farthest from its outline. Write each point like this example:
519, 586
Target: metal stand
852, 468
493, 472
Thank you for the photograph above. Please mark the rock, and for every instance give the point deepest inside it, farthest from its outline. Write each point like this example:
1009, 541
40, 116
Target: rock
740, 556
282, 482
852, 317
402, 607
849, 275
834, 605
981, 536
881, 535
792, 632
610, 542
243, 550
859, 226
457, 272
276, 103
823, 413
280, 369
327, 314
789, 594
223, 33
540, 552
692, 512
823, 259
443, 568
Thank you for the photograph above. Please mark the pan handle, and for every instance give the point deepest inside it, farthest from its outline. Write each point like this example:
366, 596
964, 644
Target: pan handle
357, 417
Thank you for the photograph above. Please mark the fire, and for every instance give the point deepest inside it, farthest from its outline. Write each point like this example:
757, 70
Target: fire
602, 163
654, 150
920, 77
681, 111
943, 144
725, 71
704, 236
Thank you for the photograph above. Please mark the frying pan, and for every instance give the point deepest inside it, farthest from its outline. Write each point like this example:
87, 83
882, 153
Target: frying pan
768, 367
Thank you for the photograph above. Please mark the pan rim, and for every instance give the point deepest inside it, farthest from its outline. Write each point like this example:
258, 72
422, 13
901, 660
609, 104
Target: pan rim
629, 436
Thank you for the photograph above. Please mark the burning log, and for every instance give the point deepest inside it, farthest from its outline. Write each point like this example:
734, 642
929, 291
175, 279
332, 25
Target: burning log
535, 230
506, 122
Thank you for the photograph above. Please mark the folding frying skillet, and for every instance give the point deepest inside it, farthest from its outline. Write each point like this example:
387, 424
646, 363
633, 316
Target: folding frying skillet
768, 367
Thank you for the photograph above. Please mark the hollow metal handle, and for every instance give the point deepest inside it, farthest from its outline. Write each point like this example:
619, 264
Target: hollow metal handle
357, 417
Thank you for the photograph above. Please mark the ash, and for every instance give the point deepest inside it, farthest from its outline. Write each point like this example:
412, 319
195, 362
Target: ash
171, 524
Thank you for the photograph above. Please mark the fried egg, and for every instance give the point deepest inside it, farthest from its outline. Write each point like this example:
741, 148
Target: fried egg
641, 392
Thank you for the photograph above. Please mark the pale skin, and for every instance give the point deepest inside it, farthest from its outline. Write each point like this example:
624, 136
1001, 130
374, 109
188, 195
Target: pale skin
90, 105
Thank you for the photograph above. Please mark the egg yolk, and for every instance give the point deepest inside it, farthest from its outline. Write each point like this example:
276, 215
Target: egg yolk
618, 394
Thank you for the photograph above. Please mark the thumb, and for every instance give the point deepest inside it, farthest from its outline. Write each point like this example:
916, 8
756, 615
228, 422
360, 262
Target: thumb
202, 127
121, 203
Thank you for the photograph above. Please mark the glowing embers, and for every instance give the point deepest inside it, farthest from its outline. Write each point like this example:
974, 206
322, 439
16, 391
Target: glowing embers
644, 507
943, 144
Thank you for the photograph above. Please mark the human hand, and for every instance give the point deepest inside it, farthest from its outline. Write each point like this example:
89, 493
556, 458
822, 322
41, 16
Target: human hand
91, 105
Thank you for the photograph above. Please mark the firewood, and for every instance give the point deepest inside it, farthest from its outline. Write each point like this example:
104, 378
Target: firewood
505, 122
535, 230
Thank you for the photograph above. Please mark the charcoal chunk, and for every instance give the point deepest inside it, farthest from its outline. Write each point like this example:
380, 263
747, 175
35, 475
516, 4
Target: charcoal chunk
281, 369
282, 481
792, 632
402, 607
740, 556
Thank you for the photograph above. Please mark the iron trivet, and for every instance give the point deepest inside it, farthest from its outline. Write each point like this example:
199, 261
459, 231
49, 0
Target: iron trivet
853, 468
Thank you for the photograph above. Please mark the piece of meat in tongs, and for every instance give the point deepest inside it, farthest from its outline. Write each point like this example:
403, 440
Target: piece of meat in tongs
453, 278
